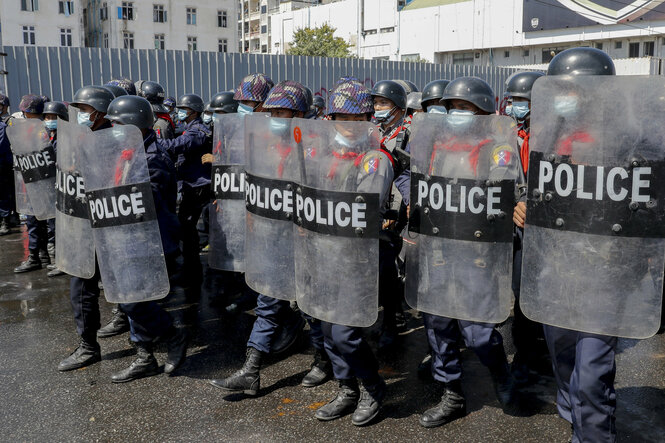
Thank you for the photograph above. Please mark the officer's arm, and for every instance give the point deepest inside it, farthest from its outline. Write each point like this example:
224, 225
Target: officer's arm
190, 139
403, 181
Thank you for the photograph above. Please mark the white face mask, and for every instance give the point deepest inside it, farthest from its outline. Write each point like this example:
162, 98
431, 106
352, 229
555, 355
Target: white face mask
436, 109
566, 105
460, 119
207, 118
83, 118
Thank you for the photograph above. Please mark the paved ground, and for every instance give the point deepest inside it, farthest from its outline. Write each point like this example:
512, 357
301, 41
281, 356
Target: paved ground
41, 404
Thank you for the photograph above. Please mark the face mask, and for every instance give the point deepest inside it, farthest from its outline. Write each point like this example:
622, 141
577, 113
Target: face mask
509, 110
565, 106
117, 131
243, 109
182, 115
207, 118
520, 110
436, 109
83, 118
382, 116
51, 125
460, 119
279, 126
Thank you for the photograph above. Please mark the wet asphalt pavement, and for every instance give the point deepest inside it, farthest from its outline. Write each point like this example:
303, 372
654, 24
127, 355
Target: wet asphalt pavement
40, 404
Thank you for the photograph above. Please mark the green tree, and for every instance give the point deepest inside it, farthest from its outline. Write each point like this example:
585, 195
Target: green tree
318, 42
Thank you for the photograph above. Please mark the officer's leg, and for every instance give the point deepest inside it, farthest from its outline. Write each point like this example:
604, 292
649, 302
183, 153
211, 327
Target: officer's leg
562, 345
193, 200
270, 313
6, 203
592, 388
442, 335
42, 241
321, 369
84, 295
389, 292
33, 262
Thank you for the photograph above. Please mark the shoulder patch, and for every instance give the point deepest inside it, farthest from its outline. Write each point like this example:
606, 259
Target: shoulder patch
371, 164
502, 155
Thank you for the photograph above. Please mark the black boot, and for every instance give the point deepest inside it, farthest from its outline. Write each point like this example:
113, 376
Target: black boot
344, 403
51, 255
118, 324
44, 257
31, 264
287, 337
369, 405
451, 407
504, 385
247, 379
4, 226
321, 370
177, 350
144, 365
86, 353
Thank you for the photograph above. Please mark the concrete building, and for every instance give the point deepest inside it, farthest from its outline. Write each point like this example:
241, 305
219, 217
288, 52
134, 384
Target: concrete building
41, 23
195, 25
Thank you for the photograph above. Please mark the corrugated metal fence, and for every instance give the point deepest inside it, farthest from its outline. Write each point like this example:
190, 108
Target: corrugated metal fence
59, 72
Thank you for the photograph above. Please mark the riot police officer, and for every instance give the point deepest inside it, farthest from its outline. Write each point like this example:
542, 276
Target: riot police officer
432, 93
251, 92
193, 179
223, 103
124, 83
318, 107
413, 103
32, 106
154, 93
4, 108
207, 116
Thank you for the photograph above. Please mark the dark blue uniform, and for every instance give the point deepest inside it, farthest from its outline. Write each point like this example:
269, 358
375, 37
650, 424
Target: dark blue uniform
194, 184
148, 320
6, 174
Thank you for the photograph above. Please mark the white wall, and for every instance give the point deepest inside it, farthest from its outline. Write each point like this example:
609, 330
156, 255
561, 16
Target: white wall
46, 20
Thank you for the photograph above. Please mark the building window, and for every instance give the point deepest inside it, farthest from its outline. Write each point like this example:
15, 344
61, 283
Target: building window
66, 37
525, 53
104, 12
633, 50
29, 5
126, 11
158, 14
648, 49
28, 35
159, 41
106, 40
191, 43
387, 30
264, 9
618, 45
506, 54
191, 16
223, 45
264, 49
264, 29
128, 40
465, 58
66, 7
221, 19
598, 46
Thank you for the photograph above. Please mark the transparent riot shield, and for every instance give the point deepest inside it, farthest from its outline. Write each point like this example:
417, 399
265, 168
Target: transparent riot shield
459, 255
34, 160
227, 215
272, 166
123, 216
74, 250
23, 205
594, 240
338, 219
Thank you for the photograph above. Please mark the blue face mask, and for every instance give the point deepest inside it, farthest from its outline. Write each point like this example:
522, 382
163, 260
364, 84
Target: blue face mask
566, 106
207, 118
382, 116
520, 110
509, 110
460, 119
182, 115
83, 118
51, 125
243, 109
279, 126
436, 109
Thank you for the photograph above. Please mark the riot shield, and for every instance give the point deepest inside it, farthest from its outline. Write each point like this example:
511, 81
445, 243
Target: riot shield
338, 219
21, 193
123, 216
272, 166
594, 247
459, 255
34, 158
74, 251
227, 217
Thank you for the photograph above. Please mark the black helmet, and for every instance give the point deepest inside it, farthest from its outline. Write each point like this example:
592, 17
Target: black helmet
309, 96
408, 86
190, 101
471, 89
96, 96
581, 61
117, 91
224, 102
154, 93
318, 102
57, 108
131, 110
391, 90
413, 101
433, 91
521, 83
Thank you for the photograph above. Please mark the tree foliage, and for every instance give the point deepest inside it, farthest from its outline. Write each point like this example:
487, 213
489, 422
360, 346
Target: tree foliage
318, 42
